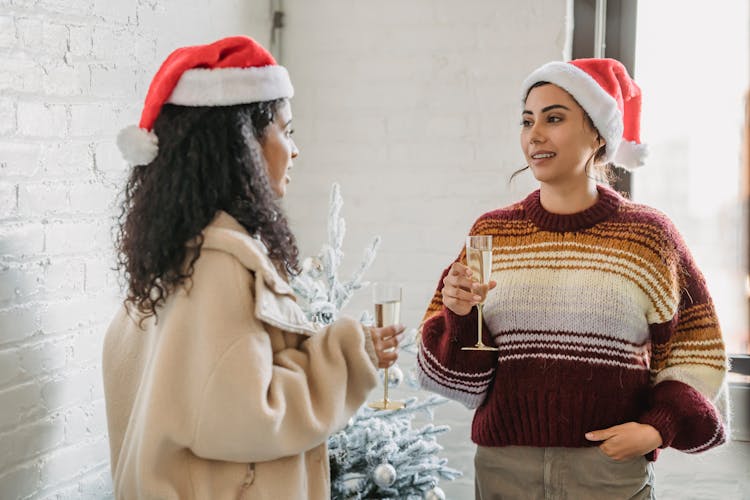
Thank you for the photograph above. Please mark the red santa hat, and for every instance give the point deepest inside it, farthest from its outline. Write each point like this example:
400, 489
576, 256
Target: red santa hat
609, 96
233, 70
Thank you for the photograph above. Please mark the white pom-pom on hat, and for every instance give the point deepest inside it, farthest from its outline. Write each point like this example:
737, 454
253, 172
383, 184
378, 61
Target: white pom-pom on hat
138, 146
631, 155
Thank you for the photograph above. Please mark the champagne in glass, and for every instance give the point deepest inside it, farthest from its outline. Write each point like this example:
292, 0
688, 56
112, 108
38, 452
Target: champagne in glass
387, 313
479, 260
387, 299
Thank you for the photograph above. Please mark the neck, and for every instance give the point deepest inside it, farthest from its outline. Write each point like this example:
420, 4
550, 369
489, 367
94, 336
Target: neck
568, 199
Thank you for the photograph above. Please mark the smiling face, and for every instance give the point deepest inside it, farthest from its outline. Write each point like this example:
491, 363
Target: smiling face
279, 149
557, 139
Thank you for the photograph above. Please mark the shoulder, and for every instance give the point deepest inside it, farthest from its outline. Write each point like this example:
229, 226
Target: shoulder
220, 267
494, 219
226, 236
646, 216
220, 285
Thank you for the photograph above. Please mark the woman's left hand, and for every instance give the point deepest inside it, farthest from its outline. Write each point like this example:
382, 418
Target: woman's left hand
626, 441
386, 341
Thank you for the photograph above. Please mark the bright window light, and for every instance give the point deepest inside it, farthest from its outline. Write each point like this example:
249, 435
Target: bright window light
693, 65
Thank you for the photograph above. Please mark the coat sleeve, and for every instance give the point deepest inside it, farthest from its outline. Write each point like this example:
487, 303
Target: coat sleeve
689, 366
260, 405
442, 367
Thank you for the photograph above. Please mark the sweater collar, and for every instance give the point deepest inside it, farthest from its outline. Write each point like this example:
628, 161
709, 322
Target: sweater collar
606, 205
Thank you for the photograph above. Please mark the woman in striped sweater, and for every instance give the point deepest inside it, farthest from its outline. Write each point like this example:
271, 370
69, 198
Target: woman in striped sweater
609, 344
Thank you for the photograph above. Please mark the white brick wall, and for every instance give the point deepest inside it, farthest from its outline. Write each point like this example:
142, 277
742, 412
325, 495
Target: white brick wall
72, 73
413, 108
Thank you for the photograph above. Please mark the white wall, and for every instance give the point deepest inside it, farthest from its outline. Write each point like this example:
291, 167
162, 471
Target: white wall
72, 73
413, 107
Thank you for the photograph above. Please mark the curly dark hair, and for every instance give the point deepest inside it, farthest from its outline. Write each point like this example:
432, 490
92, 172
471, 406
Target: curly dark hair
205, 164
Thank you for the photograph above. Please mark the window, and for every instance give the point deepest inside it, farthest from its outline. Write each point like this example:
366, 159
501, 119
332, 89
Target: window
692, 61
694, 77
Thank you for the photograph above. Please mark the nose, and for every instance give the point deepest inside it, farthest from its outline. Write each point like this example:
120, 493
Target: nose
295, 151
535, 134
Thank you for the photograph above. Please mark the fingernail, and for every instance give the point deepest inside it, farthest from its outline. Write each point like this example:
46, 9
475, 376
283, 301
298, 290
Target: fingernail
477, 298
589, 435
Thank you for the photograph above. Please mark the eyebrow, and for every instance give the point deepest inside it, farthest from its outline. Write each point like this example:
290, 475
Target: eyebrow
287, 123
545, 109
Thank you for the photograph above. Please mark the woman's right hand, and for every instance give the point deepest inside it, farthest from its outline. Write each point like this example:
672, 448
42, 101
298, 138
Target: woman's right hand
460, 292
386, 341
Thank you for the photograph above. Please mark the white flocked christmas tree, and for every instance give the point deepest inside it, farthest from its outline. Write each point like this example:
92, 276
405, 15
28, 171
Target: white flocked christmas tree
378, 454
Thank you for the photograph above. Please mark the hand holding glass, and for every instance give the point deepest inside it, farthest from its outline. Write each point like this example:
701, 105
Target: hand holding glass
479, 260
387, 299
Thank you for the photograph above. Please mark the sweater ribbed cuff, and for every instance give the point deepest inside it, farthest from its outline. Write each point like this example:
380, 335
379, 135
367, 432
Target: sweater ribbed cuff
469, 400
664, 422
463, 329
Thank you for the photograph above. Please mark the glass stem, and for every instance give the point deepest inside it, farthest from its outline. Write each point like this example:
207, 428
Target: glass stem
385, 387
479, 324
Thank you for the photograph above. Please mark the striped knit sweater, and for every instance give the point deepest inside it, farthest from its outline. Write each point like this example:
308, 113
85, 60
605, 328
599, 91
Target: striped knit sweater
600, 317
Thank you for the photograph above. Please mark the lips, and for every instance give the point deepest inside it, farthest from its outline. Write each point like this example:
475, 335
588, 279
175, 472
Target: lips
542, 155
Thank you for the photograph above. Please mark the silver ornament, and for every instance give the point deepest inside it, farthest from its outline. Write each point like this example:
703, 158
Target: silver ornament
435, 493
395, 376
384, 475
353, 482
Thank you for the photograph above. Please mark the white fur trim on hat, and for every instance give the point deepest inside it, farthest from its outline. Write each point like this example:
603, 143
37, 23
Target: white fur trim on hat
630, 155
598, 104
138, 146
227, 86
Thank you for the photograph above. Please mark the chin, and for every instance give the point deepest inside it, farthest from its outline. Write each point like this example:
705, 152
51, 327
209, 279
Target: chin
542, 176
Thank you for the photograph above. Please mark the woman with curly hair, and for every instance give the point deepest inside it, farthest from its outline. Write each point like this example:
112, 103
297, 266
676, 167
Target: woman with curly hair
216, 385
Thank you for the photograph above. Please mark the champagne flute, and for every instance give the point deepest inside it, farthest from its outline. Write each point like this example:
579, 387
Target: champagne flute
479, 260
387, 299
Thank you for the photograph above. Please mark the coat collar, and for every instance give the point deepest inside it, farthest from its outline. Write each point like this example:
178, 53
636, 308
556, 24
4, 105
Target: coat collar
225, 234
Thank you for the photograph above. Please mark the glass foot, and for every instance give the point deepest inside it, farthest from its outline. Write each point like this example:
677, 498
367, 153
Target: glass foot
480, 347
386, 405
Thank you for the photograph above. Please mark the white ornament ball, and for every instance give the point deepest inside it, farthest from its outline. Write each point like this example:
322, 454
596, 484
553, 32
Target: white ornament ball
395, 376
353, 482
435, 493
384, 475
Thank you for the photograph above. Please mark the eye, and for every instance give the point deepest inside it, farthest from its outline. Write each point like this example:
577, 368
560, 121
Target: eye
554, 119
289, 132
525, 123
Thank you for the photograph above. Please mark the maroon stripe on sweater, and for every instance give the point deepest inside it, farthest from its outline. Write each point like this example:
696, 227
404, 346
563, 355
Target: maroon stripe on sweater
598, 336
467, 387
593, 358
576, 346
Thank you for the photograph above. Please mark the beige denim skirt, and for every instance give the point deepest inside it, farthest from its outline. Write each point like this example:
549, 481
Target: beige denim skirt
528, 473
